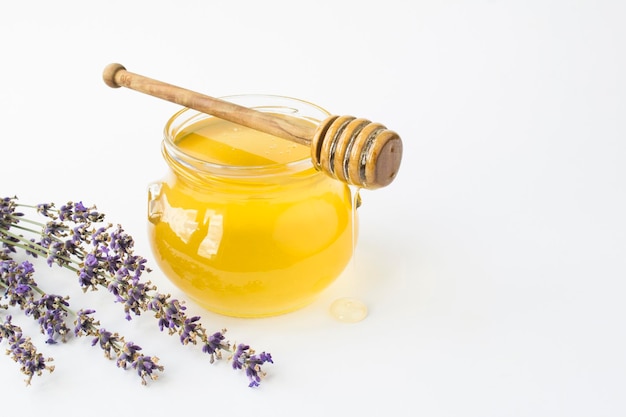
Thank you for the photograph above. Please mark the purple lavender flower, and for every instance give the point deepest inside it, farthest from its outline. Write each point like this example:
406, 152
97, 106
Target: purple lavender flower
214, 345
53, 228
128, 355
66, 211
253, 369
23, 351
190, 330
87, 273
107, 341
8, 214
51, 313
121, 242
45, 210
146, 366
244, 358
17, 280
169, 314
240, 355
84, 323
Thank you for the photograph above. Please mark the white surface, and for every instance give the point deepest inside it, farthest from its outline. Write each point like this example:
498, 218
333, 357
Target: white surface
493, 267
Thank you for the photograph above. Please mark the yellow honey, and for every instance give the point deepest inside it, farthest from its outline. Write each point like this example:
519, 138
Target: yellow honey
243, 223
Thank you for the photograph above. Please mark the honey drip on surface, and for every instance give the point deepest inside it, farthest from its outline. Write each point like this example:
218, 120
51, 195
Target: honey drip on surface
350, 309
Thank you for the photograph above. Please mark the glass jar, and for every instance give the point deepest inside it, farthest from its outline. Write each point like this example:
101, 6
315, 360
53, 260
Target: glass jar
243, 223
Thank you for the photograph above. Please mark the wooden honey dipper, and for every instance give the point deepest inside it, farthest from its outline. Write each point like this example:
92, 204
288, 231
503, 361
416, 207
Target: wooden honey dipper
355, 151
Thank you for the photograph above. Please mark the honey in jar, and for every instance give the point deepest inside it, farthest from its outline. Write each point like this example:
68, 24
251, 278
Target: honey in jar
242, 222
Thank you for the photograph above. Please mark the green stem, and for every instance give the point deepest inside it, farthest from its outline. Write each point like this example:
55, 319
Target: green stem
29, 246
27, 220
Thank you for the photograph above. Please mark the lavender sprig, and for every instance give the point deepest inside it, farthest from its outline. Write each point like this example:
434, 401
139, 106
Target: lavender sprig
127, 354
76, 237
51, 312
23, 351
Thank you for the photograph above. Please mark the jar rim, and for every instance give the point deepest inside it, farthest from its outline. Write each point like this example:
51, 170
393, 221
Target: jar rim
264, 102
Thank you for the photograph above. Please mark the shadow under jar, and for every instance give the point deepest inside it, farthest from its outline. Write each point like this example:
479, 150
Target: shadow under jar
242, 222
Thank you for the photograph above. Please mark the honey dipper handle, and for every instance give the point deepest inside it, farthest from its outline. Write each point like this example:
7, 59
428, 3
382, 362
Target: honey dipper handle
115, 75
355, 151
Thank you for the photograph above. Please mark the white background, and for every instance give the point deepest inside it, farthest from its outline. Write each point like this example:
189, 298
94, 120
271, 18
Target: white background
493, 266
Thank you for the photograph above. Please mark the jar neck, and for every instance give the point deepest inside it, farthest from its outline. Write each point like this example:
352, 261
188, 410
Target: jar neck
202, 150
199, 174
